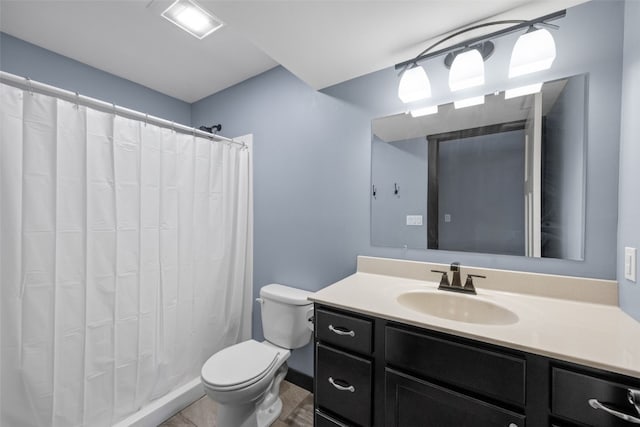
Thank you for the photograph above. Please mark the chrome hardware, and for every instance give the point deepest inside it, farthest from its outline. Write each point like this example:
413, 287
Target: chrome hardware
259, 300
513, 425
350, 388
339, 332
311, 319
634, 398
597, 405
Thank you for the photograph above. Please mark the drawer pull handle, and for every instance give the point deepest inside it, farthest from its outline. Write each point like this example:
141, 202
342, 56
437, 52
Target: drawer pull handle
350, 388
597, 405
339, 332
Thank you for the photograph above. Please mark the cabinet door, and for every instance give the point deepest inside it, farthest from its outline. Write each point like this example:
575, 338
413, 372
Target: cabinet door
417, 403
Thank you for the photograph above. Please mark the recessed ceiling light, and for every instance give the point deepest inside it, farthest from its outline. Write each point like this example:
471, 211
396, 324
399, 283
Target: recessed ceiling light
192, 18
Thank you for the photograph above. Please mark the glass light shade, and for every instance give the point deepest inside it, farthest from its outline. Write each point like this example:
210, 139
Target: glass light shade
533, 51
414, 85
469, 102
522, 90
192, 18
467, 70
419, 112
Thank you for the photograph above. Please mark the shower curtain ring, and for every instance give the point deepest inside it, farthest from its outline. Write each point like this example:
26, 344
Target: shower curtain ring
113, 105
30, 87
77, 106
146, 119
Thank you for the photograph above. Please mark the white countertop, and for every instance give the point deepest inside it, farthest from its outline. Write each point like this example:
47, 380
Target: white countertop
592, 334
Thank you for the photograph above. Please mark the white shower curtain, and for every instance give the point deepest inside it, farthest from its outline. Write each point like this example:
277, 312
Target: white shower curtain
126, 260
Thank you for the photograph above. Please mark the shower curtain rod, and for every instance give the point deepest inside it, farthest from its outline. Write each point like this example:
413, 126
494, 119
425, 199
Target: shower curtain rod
76, 98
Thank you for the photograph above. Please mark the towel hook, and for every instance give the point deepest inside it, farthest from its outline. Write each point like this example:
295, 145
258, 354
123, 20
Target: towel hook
396, 189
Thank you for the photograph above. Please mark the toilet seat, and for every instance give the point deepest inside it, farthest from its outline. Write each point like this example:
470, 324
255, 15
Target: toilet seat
240, 365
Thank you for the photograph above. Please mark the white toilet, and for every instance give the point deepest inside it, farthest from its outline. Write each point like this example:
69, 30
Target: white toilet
245, 378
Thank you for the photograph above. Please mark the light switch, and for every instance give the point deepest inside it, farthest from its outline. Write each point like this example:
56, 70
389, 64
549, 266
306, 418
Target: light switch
630, 264
447, 217
414, 219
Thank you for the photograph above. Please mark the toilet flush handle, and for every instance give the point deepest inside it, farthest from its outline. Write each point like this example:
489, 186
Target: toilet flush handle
310, 318
260, 300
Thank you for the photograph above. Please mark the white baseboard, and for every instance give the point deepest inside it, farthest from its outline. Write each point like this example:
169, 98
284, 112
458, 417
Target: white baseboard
165, 407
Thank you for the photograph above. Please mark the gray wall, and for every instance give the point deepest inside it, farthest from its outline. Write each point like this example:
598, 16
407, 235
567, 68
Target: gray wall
629, 219
313, 152
404, 163
481, 185
28, 60
563, 194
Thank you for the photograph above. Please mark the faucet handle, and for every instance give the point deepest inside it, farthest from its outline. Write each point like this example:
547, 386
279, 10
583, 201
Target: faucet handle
444, 280
468, 284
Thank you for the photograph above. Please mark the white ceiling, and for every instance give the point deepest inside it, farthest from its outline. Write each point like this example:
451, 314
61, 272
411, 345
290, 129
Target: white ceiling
322, 42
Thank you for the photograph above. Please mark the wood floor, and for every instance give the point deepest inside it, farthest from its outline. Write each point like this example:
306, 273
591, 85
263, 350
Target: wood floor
297, 410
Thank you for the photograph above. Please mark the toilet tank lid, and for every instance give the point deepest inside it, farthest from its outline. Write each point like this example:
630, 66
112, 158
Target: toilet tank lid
285, 294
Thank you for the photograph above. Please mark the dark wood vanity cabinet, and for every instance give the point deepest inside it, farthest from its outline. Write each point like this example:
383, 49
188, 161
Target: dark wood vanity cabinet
374, 372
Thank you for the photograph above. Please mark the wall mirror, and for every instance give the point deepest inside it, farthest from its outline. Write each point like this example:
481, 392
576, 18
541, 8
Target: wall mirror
503, 177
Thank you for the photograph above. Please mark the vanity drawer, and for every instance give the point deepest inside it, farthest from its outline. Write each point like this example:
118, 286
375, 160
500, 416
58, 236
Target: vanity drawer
486, 372
571, 392
323, 420
348, 332
343, 384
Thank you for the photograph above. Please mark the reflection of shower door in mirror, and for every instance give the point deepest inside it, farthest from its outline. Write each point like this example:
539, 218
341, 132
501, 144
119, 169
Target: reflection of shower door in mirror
533, 178
476, 189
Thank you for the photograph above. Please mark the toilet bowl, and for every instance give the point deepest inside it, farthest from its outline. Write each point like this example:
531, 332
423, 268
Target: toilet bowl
245, 378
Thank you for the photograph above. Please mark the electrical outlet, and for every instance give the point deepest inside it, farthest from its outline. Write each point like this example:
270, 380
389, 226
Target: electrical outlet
630, 263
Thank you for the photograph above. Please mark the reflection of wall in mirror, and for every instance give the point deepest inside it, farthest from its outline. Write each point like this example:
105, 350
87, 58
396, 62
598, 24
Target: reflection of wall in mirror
480, 182
404, 163
563, 195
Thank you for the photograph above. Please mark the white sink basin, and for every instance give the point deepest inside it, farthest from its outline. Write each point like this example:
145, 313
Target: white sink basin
458, 307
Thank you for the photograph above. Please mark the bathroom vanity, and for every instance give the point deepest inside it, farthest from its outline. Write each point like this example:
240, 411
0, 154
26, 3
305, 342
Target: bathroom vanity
380, 361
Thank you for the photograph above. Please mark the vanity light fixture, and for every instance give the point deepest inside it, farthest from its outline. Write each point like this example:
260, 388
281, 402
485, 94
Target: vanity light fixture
419, 112
192, 18
522, 90
469, 102
414, 85
533, 51
467, 70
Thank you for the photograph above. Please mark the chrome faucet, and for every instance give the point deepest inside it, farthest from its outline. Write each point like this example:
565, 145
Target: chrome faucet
456, 283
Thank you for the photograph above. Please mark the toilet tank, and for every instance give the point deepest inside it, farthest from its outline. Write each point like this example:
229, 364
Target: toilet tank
286, 315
